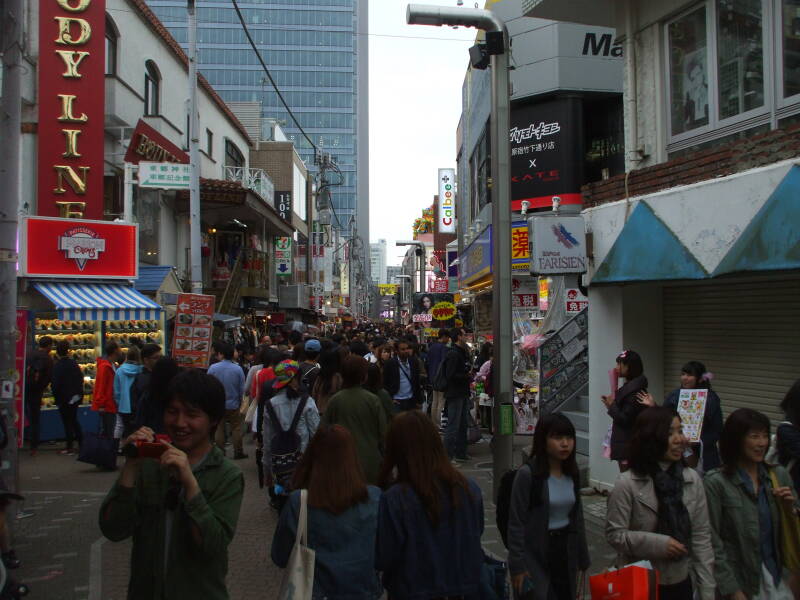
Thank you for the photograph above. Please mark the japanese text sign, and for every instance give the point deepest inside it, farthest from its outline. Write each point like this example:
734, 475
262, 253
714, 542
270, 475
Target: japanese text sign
576, 301
692, 409
164, 175
283, 255
194, 319
520, 249
71, 131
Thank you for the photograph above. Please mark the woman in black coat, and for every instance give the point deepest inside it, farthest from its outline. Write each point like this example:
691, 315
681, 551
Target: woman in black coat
624, 406
546, 534
67, 386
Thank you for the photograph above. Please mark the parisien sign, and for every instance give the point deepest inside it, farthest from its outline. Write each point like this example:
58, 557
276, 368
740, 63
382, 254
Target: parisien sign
558, 245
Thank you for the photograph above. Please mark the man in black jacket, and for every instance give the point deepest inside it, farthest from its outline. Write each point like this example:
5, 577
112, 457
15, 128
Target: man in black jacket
401, 378
39, 372
456, 395
68, 392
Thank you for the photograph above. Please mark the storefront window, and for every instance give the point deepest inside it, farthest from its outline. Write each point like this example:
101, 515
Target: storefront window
688, 62
740, 56
791, 47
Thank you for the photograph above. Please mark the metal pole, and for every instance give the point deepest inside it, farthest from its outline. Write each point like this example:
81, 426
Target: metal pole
127, 194
194, 158
10, 149
502, 445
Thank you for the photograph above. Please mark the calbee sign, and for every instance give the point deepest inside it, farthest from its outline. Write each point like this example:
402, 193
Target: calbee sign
447, 201
558, 244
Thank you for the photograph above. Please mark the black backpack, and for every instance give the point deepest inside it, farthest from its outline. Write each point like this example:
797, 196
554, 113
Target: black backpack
503, 504
284, 446
439, 381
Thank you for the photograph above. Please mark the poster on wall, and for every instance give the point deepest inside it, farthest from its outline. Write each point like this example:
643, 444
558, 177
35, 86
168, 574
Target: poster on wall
692, 409
19, 373
437, 309
546, 156
194, 321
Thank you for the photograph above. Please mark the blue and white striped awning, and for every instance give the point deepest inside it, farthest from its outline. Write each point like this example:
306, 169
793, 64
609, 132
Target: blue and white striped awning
98, 302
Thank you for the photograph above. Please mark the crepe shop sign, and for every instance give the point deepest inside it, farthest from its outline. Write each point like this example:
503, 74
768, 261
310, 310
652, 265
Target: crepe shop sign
71, 106
443, 311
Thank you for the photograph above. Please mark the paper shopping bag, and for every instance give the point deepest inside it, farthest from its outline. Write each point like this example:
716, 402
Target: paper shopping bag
628, 583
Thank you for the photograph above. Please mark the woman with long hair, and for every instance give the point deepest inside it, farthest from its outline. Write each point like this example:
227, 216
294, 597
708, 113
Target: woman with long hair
624, 405
705, 455
342, 518
744, 507
546, 535
657, 510
384, 355
329, 380
430, 519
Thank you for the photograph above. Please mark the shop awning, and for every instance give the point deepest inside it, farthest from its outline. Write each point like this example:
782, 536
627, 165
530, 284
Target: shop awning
228, 321
98, 302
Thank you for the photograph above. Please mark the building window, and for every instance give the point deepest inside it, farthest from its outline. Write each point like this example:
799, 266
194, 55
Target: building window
720, 68
480, 173
152, 86
112, 39
209, 143
233, 156
790, 50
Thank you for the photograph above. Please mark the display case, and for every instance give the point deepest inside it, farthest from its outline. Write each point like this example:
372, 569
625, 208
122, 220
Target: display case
127, 332
84, 340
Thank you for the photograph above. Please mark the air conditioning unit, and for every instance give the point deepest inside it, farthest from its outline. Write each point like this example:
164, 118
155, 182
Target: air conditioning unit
294, 296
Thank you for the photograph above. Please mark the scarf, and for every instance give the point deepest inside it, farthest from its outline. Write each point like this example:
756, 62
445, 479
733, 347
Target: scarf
673, 518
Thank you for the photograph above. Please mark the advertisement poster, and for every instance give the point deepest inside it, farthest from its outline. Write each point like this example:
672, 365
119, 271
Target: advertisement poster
692, 408
19, 373
436, 309
194, 321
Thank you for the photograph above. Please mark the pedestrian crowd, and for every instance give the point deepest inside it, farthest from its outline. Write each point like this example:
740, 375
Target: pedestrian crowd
360, 438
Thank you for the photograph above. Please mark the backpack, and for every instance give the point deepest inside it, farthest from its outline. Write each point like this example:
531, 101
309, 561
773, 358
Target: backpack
439, 381
309, 371
503, 504
284, 447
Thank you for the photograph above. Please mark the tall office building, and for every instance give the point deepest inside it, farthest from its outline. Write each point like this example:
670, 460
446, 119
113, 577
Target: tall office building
317, 52
377, 259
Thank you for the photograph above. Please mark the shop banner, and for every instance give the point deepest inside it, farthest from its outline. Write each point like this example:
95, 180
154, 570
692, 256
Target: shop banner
388, 289
149, 145
576, 301
546, 155
283, 204
520, 249
194, 320
439, 286
476, 260
447, 201
558, 244
19, 373
51, 247
692, 409
164, 175
283, 255
523, 293
71, 130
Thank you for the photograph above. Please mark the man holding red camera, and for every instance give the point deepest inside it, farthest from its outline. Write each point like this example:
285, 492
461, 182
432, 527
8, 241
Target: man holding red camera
180, 501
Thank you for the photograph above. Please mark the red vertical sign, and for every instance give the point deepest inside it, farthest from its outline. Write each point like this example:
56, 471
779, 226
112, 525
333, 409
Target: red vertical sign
19, 375
194, 319
71, 108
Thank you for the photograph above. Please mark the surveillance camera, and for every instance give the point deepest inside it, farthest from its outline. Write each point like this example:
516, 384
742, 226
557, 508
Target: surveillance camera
525, 206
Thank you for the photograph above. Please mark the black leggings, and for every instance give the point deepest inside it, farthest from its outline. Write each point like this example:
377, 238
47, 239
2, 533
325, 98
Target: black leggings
676, 591
557, 566
72, 429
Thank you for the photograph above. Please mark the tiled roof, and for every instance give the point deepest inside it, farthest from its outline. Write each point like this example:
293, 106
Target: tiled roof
149, 16
151, 277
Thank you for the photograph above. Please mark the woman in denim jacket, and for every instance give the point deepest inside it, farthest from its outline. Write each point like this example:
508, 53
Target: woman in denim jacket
342, 518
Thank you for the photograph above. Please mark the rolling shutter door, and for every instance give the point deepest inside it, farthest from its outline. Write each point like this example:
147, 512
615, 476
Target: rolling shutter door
747, 334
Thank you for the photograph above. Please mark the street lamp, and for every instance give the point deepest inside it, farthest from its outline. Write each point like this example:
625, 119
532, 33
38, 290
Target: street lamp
497, 48
421, 254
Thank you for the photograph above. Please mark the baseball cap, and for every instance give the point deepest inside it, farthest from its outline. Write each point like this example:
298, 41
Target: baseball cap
285, 371
313, 345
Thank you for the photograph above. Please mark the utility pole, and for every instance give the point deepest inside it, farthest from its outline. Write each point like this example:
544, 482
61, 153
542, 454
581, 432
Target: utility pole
497, 46
11, 134
194, 157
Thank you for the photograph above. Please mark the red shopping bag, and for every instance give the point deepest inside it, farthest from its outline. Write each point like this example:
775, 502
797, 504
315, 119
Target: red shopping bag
628, 583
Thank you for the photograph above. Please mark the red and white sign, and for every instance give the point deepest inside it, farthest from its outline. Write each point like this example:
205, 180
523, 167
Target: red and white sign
422, 318
523, 293
576, 301
71, 108
194, 320
19, 374
149, 145
51, 247
438, 286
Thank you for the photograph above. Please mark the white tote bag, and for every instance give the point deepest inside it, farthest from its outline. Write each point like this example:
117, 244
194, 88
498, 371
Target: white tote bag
298, 579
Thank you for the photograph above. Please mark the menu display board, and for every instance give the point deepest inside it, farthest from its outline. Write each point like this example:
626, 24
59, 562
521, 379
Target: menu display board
692, 409
194, 320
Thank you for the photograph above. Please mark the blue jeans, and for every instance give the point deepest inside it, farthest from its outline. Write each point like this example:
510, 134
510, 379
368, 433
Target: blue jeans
455, 434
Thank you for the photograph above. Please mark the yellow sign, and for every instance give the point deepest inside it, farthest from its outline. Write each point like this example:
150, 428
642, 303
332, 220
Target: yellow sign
387, 289
520, 249
443, 311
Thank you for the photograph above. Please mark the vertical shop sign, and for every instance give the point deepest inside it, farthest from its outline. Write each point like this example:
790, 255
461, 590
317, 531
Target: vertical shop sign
194, 319
71, 108
576, 301
447, 201
546, 154
283, 255
283, 204
544, 295
19, 373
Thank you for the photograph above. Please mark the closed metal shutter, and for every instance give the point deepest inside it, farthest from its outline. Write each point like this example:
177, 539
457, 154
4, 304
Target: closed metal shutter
746, 333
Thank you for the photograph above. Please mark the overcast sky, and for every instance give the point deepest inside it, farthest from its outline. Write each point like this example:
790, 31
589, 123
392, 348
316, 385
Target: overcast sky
414, 106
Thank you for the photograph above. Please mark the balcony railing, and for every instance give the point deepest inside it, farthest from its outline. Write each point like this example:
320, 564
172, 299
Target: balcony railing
255, 180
